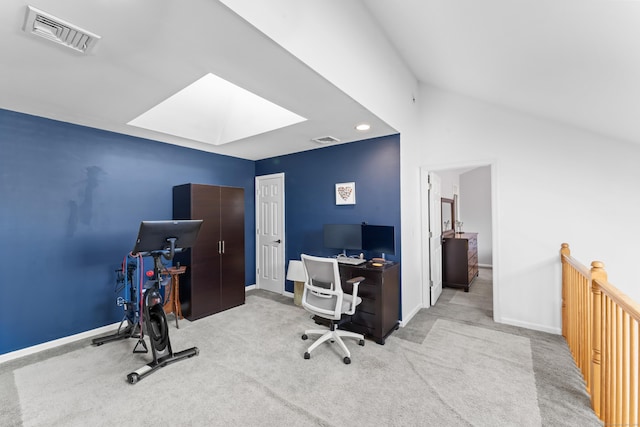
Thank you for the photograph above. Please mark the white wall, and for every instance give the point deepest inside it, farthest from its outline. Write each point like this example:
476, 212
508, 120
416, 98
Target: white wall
554, 184
475, 210
448, 179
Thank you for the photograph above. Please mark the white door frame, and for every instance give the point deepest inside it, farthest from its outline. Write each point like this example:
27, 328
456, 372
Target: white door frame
424, 228
281, 267
435, 236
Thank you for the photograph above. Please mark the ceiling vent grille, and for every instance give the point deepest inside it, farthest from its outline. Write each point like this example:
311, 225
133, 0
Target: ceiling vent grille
42, 24
325, 140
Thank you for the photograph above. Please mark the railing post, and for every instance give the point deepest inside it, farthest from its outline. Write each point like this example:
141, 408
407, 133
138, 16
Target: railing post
597, 273
564, 250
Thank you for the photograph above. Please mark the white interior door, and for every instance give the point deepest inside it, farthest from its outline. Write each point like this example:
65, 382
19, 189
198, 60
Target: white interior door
435, 237
270, 232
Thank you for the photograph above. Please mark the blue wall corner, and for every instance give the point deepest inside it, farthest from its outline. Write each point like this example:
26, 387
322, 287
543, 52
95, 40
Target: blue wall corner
310, 179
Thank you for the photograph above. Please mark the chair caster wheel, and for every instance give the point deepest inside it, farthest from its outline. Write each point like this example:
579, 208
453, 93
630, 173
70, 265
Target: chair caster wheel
307, 355
133, 378
361, 342
346, 360
304, 336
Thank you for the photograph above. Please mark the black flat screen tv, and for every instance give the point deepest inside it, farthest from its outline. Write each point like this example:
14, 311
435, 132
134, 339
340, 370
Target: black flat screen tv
378, 238
342, 236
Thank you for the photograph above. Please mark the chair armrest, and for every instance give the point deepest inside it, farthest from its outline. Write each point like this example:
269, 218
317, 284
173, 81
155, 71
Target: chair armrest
354, 282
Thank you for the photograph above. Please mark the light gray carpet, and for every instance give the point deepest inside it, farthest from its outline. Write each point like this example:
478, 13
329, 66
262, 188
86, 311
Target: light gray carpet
480, 293
250, 371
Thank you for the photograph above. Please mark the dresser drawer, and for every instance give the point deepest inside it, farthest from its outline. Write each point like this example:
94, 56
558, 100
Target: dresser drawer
473, 260
473, 272
473, 246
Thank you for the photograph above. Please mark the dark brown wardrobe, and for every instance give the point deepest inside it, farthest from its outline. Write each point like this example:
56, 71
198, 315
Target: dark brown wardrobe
214, 280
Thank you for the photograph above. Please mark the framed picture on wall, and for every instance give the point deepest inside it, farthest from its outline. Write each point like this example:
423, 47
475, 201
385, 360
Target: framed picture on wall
346, 193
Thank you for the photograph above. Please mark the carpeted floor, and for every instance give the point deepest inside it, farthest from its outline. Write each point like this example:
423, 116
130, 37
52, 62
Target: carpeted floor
451, 366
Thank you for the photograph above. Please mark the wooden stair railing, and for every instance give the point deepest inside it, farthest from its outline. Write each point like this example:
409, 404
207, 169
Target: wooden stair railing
601, 326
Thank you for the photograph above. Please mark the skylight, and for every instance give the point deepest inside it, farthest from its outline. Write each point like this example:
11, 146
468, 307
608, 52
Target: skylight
215, 111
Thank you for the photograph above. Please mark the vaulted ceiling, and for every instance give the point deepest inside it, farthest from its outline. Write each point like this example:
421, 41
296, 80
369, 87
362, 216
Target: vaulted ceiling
573, 61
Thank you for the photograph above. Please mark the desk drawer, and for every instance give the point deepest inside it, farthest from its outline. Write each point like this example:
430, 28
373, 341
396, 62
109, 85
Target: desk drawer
376, 316
368, 306
368, 321
368, 292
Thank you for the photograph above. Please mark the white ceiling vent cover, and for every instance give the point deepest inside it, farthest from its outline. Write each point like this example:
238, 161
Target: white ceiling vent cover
325, 140
42, 24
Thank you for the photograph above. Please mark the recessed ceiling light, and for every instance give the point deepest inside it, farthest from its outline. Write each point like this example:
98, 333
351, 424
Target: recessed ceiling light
363, 127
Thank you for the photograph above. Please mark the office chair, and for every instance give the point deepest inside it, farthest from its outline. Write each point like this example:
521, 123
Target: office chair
323, 297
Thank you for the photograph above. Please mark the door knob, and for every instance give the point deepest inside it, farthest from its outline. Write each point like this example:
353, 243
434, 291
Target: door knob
277, 241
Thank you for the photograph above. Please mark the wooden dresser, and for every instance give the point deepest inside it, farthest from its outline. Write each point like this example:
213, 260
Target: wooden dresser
459, 260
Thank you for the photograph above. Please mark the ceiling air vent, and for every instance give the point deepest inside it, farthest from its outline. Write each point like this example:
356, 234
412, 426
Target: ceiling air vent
325, 140
42, 24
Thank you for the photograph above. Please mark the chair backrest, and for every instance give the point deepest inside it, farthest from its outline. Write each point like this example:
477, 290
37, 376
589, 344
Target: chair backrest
322, 293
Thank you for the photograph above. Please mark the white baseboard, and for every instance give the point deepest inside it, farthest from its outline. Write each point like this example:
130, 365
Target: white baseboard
528, 325
409, 316
251, 287
56, 343
486, 266
77, 337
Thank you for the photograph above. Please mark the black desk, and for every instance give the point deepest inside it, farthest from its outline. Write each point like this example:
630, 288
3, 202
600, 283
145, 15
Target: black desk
377, 315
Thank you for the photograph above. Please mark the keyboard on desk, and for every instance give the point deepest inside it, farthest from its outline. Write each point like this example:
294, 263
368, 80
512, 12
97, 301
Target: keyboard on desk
350, 261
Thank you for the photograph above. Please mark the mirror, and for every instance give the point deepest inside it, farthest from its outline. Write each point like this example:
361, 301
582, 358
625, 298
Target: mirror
448, 217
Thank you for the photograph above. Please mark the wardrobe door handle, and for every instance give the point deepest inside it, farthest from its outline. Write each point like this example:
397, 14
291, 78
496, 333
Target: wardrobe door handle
223, 246
219, 246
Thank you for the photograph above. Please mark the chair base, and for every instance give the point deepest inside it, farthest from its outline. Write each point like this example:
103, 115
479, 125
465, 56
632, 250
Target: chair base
333, 335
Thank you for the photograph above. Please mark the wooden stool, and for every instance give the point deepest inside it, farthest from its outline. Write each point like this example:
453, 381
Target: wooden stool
172, 296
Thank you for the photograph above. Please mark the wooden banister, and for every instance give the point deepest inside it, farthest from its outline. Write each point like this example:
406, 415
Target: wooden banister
598, 273
601, 326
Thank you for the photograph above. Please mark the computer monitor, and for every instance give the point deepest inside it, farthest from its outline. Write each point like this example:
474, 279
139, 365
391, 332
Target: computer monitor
379, 238
342, 236
156, 235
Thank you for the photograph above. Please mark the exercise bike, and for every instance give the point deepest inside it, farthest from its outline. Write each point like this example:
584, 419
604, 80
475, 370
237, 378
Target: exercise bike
161, 239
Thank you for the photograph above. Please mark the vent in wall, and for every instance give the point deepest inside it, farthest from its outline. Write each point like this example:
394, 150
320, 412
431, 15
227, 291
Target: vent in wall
325, 140
42, 24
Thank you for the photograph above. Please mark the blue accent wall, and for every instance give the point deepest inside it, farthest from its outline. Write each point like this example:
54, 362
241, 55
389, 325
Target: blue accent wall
310, 179
71, 202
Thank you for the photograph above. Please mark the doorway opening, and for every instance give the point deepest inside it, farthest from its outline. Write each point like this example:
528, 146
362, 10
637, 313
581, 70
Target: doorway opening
473, 188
